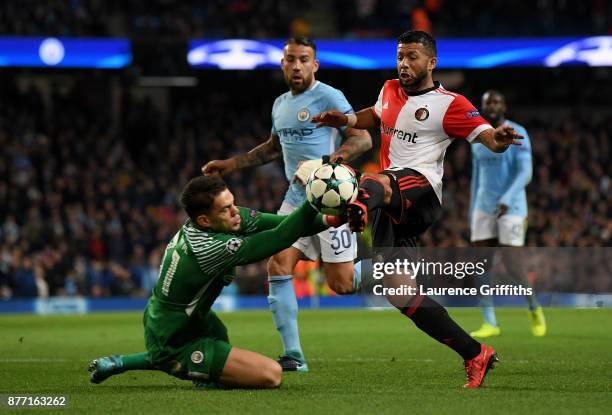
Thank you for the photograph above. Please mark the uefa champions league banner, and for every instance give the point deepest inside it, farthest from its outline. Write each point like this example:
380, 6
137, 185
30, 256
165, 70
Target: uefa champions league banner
54, 52
242, 54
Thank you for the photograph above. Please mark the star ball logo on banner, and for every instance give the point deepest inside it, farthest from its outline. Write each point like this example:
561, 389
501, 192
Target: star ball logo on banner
235, 54
374, 54
593, 51
51, 51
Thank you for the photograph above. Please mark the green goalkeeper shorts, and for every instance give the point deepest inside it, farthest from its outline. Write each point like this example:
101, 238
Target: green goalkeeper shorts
198, 351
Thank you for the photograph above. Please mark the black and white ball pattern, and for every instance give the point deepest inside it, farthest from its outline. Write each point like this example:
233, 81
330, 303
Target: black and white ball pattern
331, 188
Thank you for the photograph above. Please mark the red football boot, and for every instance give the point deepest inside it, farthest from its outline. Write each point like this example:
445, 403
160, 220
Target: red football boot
477, 368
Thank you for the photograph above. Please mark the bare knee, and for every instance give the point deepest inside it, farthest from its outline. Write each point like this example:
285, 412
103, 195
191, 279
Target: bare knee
340, 281
341, 287
276, 266
284, 262
246, 369
271, 375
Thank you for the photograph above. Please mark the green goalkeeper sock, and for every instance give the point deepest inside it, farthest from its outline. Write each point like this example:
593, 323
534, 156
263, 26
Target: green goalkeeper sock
137, 361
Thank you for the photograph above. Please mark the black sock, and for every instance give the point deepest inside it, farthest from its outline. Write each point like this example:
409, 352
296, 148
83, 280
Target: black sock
373, 192
434, 320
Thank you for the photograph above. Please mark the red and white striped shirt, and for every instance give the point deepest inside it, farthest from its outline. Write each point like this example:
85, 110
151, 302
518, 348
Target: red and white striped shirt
416, 129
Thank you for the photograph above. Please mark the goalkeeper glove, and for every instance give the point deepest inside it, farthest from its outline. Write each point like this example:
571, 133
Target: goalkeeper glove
357, 216
305, 169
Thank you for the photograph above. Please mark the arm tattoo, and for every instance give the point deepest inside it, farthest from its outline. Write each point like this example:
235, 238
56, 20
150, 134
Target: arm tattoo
262, 154
356, 144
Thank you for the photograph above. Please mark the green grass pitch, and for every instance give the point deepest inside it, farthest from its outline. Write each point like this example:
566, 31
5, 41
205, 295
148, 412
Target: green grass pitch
361, 362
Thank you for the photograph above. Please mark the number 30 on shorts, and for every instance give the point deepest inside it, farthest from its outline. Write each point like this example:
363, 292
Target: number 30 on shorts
340, 238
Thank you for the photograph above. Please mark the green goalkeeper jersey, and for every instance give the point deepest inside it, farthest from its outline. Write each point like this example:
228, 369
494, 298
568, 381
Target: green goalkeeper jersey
198, 263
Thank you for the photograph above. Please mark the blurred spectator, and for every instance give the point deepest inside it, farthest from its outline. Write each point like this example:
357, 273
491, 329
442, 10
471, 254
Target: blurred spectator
420, 20
25, 280
306, 277
121, 284
29, 279
150, 273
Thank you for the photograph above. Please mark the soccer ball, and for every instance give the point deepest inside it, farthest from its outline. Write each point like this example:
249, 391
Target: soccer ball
331, 188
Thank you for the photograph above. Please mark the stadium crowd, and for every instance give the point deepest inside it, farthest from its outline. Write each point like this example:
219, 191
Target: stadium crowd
568, 194
88, 190
279, 18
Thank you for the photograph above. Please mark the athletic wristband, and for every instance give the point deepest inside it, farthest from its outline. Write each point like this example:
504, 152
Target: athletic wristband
334, 221
351, 120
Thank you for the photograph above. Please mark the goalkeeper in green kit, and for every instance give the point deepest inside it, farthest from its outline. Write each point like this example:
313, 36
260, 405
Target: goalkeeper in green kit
183, 337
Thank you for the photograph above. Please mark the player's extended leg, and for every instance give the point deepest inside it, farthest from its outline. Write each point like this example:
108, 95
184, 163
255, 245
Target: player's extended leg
433, 319
104, 367
415, 206
516, 268
489, 327
284, 307
512, 230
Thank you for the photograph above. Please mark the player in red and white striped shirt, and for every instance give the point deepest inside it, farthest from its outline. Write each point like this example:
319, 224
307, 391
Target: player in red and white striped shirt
418, 120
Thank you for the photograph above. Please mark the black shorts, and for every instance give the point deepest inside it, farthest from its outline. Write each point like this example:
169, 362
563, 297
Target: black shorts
414, 208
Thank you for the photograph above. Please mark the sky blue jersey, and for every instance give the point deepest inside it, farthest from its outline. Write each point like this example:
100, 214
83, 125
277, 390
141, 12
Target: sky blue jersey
300, 140
501, 177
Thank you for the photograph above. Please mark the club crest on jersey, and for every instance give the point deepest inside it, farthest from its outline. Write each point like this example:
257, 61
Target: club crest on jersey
233, 245
303, 115
197, 357
472, 114
421, 114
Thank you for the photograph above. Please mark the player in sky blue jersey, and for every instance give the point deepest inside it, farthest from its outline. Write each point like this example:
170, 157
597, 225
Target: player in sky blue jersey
294, 138
498, 208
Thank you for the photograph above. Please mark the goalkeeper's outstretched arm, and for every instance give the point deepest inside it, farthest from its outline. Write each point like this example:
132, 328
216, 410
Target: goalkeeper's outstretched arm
304, 221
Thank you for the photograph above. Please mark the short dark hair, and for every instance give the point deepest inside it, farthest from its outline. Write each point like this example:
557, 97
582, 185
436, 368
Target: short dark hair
418, 36
199, 194
495, 93
302, 40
